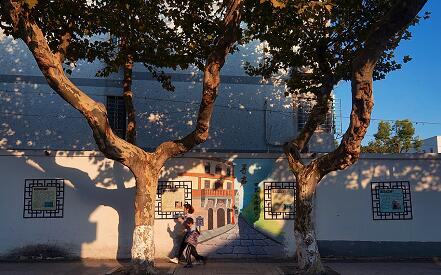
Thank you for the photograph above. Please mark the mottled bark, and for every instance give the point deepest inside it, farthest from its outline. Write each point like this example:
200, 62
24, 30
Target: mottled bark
128, 100
143, 247
308, 255
348, 152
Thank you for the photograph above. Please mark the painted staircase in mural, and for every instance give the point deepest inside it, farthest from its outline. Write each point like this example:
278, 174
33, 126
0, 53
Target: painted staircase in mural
241, 241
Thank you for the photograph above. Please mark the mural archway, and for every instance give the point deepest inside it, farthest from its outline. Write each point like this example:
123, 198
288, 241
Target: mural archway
220, 217
210, 218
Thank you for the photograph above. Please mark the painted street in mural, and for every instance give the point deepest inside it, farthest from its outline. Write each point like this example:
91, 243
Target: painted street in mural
241, 241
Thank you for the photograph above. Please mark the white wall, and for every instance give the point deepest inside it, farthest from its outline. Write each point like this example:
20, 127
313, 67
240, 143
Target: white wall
249, 116
98, 215
344, 199
431, 145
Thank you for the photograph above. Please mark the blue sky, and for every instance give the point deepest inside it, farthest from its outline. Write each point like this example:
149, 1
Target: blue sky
414, 91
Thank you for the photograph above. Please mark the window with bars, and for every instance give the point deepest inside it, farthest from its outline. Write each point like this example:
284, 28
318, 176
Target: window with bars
116, 112
304, 107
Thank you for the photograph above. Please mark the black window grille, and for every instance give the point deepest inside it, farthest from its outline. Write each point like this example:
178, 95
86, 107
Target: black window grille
43, 198
391, 200
116, 112
288, 212
164, 186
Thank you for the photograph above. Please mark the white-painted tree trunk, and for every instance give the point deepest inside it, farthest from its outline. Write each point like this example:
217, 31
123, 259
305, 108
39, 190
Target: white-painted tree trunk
143, 250
308, 255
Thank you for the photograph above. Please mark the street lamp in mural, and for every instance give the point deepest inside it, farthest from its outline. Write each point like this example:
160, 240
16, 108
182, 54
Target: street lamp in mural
199, 222
243, 171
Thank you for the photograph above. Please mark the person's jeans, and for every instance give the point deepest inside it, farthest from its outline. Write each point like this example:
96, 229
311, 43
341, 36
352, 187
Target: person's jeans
191, 251
181, 248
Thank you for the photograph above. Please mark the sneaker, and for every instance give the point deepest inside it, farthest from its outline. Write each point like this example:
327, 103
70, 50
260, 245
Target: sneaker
174, 260
188, 266
199, 262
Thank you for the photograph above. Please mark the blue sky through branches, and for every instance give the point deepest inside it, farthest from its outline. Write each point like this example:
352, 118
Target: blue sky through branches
414, 91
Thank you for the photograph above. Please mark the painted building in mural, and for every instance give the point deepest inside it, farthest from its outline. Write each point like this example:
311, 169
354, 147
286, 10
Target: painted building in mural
213, 192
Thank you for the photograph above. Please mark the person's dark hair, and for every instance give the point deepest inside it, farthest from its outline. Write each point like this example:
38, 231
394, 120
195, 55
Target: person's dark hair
189, 207
190, 221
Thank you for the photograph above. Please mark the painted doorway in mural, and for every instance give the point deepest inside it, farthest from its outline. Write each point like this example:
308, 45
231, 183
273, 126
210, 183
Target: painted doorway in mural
210, 218
220, 217
229, 216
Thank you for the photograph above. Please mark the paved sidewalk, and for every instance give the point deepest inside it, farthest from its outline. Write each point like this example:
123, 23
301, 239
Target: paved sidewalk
219, 267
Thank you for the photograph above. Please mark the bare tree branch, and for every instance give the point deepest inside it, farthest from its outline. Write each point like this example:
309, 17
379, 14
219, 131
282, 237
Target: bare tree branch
211, 81
128, 100
62, 47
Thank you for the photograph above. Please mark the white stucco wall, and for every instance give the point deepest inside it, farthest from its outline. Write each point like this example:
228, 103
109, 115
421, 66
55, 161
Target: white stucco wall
249, 115
98, 206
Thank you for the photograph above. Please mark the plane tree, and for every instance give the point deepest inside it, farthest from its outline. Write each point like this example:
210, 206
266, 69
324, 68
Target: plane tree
158, 34
317, 44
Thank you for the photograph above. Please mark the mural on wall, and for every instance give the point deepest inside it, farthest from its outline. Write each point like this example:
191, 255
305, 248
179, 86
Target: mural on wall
227, 196
252, 189
213, 194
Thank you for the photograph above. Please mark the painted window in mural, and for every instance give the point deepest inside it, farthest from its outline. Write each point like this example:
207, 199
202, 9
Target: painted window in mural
218, 169
207, 168
229, 185
279, 200
391, 200
218, 185
171, 197
206, 184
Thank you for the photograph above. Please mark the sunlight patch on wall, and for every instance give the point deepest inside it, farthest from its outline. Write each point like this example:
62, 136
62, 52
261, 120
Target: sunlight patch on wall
106, 243
35, 165
253, 168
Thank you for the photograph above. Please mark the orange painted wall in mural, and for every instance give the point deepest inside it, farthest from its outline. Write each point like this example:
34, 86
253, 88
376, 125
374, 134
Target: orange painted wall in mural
213, 192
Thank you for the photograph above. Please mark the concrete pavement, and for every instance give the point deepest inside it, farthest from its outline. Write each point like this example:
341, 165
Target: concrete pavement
218, 267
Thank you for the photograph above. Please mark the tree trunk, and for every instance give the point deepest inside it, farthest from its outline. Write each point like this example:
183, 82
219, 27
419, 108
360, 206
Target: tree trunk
128, 100
308, 255
143, 247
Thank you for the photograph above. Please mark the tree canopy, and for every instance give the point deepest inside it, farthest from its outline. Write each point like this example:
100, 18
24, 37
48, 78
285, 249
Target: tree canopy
397, 138
315, 42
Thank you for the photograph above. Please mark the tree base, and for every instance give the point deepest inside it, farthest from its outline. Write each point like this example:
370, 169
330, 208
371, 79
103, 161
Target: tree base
130, 269
294, 270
